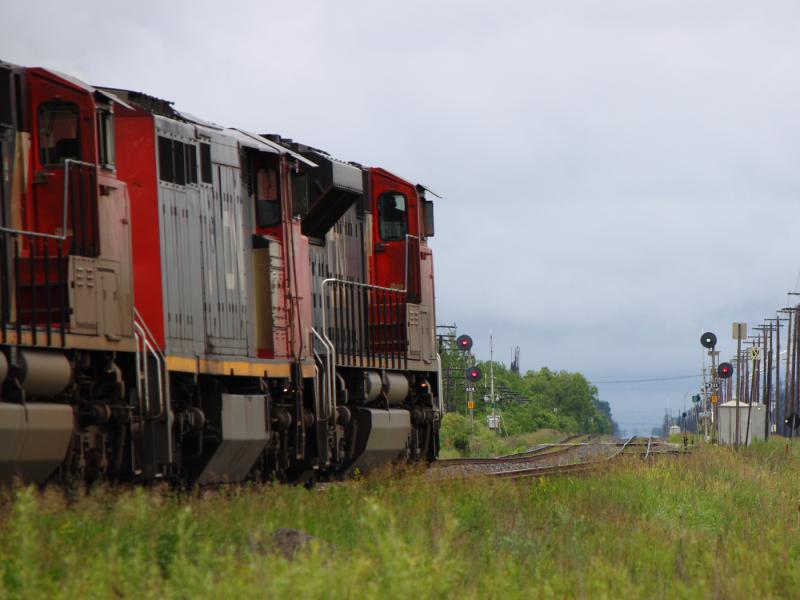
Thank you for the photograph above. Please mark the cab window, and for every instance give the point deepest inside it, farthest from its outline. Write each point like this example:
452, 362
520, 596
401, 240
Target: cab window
392, 217
105, 138
59, 136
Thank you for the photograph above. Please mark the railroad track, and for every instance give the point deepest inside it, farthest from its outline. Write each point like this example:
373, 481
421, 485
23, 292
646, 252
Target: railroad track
564, 459
535, 454
569, 440
589, 465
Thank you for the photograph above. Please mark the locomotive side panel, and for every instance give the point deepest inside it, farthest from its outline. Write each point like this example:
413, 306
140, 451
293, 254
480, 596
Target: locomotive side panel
136, 165
178, 203
227, 301
202, 225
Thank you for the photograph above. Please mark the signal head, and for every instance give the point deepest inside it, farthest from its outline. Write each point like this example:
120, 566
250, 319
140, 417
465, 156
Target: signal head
474, 374
708, 340
725, 370
464, 343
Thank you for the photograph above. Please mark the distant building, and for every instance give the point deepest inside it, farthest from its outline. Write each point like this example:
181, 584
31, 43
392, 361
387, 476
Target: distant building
726, 423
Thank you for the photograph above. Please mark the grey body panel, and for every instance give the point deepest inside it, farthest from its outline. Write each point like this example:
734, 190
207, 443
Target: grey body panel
226, 297
34, 439
244, 437
182, 268
202, 229
340, 257
387, 436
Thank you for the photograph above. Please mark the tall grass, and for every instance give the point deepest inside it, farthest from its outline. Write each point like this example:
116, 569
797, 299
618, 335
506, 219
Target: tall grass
710, 524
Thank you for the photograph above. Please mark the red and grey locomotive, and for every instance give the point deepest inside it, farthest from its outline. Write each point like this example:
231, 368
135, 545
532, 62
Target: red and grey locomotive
187, 301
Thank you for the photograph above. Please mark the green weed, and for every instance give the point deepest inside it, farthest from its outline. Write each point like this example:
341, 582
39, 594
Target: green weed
714, 523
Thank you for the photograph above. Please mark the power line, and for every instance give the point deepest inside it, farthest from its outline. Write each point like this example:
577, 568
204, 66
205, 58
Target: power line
676, 378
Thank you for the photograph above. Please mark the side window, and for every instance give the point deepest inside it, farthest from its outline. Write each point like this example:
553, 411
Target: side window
299, 194
165, 169
105, 138
392, 217
59, 136
191, 163
267, 184
268, 206
177, 162
205, 163
6, 98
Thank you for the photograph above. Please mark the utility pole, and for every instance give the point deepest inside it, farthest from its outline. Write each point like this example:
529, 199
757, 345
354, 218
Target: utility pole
491, 380
753, 388
739, 331
777, 354
793, 370
795, 366
789, 344
768, 354
763, 370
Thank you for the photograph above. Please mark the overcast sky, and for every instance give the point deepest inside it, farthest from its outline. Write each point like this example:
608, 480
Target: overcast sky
618, 175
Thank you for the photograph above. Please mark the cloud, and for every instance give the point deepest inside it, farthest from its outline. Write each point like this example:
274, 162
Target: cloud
618, 176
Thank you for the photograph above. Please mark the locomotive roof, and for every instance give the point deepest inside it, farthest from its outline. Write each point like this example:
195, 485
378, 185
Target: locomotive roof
75, 82
310, 150
165, 108
253, 140
147, 103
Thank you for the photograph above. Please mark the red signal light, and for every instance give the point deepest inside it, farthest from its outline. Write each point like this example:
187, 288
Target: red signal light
464, 343
725, 370
474, 374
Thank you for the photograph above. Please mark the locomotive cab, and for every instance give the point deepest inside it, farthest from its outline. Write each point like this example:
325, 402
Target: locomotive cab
65, 290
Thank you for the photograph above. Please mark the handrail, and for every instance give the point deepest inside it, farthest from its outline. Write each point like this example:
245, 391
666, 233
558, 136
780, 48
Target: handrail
53, 236
439, 384
354, 283
138, 318
137, 364
163, 376
148, 347
363, 285
399, 298
405, 274
330, 370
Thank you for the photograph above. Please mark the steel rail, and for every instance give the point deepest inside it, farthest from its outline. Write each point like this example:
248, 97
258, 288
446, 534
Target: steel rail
567, 440
552, 470
558, 469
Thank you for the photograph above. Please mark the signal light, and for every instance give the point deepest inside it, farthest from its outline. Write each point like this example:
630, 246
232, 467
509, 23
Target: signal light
474, 374
725, 370
464, 343
708, 340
